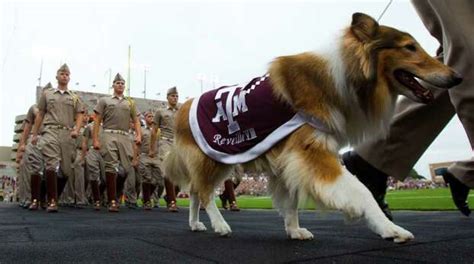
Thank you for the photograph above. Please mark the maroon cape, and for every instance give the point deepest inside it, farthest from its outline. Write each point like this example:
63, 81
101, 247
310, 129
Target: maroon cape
235, 124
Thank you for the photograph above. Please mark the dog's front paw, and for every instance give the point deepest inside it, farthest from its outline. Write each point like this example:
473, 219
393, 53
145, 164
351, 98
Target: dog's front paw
398, 234
222, 228
300, 234
197, 227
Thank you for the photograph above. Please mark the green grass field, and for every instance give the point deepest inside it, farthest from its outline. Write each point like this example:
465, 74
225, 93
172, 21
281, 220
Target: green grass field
426, 199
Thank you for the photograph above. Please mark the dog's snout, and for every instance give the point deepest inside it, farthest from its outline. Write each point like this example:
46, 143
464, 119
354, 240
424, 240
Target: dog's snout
456, 79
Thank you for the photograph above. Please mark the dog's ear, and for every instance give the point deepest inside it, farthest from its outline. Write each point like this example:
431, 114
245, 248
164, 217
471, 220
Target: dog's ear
364, 27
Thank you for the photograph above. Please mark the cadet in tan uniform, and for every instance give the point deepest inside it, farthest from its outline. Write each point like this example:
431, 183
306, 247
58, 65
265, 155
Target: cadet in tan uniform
228, 195
95, 168
148, 167
32, 160
78, 184
24, 185
61, 112
164, 120
115, 113
130, 189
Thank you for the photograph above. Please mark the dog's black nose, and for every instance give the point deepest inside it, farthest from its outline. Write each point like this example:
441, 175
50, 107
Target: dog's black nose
457, 78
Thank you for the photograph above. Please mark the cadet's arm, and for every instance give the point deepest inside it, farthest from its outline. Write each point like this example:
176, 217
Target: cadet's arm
79, 118
26, 131
95, 131
138, 130
84, 146
38, 122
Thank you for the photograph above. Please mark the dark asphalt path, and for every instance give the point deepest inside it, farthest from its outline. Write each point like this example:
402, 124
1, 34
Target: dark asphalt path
135, 236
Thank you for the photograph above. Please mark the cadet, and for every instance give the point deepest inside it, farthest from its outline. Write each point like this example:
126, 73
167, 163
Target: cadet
32, 160
115, 112
95, 168
130, 189
78, 185
164, 120
148, 167
57, 110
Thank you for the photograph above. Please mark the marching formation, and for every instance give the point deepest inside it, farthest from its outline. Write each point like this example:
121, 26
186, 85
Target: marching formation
67, 156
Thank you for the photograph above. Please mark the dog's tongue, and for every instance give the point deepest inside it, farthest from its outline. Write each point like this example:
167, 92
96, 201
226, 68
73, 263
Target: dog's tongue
408, 79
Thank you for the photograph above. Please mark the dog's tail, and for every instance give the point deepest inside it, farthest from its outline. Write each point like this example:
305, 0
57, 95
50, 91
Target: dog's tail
175, 168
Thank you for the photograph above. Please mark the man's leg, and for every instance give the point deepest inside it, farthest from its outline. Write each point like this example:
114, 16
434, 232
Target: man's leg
412, 130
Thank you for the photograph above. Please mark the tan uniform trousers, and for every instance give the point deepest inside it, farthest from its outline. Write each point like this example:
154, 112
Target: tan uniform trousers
31, 163
34, 159
149, 170
59, 151
79, 179
415, 126
24, 186
95, 165
132, 185
164, 146
117, 151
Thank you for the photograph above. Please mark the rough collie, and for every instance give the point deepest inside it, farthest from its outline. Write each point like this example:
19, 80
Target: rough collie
292, 121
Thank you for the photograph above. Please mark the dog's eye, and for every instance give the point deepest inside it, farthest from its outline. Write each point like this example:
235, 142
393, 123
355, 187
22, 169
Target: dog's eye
410, 47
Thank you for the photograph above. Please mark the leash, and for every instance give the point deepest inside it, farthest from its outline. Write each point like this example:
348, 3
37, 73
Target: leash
383, 12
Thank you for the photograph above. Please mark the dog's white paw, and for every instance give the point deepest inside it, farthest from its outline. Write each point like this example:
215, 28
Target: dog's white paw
197, 227
398, 234
300, 234
222, 228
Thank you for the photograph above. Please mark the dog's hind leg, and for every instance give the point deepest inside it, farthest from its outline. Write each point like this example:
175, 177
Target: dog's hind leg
194, 223
287, 204
349, 195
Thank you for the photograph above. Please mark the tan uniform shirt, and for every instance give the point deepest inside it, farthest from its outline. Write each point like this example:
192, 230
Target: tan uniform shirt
164, 119
60, 108
80, 137
146, 140
31, 116
88, 134
116, 113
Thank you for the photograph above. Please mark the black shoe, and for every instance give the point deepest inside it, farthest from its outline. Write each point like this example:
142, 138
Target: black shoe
459, 192
223, 201
132, 206
372, 178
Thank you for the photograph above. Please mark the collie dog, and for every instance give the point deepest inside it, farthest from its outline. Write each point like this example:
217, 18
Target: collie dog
328, 100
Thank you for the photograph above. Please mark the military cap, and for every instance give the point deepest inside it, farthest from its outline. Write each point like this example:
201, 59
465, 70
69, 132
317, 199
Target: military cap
48, 86
119, 77
64, 68
172, 90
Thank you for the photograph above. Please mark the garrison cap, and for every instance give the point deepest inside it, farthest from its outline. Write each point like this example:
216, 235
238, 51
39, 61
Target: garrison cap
172, 90
48, 86
118, 77
64, 68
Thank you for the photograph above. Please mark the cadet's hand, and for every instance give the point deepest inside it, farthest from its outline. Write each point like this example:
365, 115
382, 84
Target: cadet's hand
151, 154
135, 162
34, 139
21, 148
74, 134
19, 156
138, 140
96, 144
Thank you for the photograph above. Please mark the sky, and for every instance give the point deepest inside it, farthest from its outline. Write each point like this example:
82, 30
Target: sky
194, 45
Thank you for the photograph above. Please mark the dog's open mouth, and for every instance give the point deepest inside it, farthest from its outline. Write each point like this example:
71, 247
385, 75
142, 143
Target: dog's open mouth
409, 80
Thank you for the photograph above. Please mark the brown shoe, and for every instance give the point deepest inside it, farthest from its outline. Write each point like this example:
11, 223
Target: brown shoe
34, 205
52, 207
233, 207
113, 207
172, 207
52, 191
97, 205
